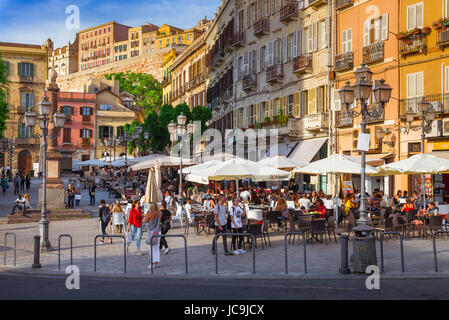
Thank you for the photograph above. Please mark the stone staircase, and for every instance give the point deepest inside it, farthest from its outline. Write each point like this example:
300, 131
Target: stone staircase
52, 215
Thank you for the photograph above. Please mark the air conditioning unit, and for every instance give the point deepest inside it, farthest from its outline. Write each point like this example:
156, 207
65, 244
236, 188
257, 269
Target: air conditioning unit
436, 127
445, 127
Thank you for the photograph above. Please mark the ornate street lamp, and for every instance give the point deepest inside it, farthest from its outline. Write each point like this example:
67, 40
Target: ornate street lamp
428, 115
361, 91
58, 119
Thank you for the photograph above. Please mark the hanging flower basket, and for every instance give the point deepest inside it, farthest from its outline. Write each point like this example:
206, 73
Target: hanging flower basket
416, 32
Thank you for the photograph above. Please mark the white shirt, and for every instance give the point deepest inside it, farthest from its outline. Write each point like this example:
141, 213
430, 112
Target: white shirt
188, 208
304, 203
236, 212
245, 195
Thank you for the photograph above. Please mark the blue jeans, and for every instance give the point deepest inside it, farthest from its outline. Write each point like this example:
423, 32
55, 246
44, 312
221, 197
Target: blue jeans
280, 219
133, 231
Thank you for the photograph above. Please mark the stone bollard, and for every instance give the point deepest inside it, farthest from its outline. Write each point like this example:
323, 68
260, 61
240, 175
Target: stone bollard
344, 255
37, 250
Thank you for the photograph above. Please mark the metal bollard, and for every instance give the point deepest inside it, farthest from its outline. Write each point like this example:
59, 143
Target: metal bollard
37, 247
344, 255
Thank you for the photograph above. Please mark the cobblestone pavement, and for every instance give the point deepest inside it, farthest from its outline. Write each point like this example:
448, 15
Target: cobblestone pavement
322, 260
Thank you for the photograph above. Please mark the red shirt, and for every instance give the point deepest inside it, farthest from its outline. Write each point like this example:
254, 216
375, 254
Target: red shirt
135, 217
322, 211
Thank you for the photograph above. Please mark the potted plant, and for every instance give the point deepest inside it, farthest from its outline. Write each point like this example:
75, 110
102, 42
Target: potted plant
416, 31
252, 126
426, 30
258, 125
401, 35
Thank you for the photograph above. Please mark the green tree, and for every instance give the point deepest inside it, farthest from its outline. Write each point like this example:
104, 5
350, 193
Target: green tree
4, 111
146, 89
157, 126
203, 114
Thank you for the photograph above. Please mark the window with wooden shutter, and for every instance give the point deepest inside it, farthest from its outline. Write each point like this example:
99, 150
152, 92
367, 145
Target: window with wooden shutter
377, 30
236, 69
270, 52
295, 44
246, 63
315, 36
285, 49
257, 113
304, 103
297, 104
415, 16
310, 39
385, 31
366, 33
258, 60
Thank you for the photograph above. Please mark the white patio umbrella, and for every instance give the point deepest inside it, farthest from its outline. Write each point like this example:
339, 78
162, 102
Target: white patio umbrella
152, 193
281, 162
94, 163
239, 168
163, 160
418, 164
201, 166
336, 163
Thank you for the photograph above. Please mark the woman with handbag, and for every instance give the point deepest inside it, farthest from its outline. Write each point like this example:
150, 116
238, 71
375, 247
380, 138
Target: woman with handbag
153, 221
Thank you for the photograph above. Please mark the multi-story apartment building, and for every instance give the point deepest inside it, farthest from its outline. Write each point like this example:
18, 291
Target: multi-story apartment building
281, 78
140, 39
219, 66
111, 115
188, 75
27, 73
166, 82
169, 36
365, 33
75, 140
424, 74
96, 44
64, 60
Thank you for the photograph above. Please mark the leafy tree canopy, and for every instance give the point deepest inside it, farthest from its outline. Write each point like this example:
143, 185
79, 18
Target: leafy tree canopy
4, 111
146, 89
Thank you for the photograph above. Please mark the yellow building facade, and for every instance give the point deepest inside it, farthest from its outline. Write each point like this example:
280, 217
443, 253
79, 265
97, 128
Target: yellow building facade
167, 77
424, 74
27, 75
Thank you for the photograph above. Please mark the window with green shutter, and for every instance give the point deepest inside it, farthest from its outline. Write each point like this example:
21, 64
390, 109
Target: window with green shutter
6, 63
100, 132
25, 69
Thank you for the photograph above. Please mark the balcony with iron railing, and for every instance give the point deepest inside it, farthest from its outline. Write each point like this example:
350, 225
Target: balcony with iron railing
238, 39
165, 82
374, 52
343, 120
343, 4
375, 116
303, 64
438, 102
262, 26
413, 44
87, 119
86, 142
26, 79
274, 73
443, 38
21, 141
316, 122
317, 3
344, 61
249, 82
289, 12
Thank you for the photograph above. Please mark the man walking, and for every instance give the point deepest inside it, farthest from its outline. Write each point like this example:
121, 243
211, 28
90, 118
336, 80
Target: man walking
16, 184
220, 224
92, 189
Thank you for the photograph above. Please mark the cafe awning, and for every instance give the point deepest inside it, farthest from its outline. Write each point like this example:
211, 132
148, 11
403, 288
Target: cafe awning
307, 149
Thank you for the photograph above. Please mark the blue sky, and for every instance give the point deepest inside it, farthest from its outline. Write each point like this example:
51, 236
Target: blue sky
32, 21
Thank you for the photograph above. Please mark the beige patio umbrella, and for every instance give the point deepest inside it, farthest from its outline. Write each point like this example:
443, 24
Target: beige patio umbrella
158, 175
152, 193
281, 162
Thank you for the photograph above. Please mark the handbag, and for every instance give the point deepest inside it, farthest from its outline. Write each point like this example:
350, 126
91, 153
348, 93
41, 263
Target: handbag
128, 237
151, 234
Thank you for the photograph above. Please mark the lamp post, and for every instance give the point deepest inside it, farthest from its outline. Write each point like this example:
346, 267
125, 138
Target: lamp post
176, 134
361, 92
44, 121
428, 115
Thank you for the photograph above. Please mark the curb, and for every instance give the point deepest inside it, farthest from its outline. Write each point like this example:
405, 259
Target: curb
210, 276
